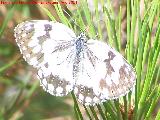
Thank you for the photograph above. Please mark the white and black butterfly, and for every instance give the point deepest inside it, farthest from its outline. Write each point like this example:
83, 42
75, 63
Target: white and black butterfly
65, 62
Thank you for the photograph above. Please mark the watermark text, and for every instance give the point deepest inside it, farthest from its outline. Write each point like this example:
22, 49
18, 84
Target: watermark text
39, 2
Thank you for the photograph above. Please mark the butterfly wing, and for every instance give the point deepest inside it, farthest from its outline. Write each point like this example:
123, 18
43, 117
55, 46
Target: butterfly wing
48, 47
32, 35
104, 74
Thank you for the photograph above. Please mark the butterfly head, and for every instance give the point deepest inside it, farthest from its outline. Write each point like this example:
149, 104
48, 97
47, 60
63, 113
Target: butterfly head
83, 37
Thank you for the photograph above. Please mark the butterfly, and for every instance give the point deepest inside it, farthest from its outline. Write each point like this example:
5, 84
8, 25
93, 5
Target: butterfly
93, 70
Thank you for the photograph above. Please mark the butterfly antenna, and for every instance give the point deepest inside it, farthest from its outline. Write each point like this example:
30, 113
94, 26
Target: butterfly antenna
73, 20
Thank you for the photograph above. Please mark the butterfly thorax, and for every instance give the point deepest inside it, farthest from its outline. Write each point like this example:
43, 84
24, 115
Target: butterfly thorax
80, 44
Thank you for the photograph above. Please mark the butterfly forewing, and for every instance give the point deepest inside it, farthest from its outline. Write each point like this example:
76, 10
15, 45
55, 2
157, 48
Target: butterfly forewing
50, 51
31, 36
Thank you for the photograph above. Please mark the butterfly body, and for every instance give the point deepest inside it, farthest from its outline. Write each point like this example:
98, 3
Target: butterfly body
80, 44
91, 69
